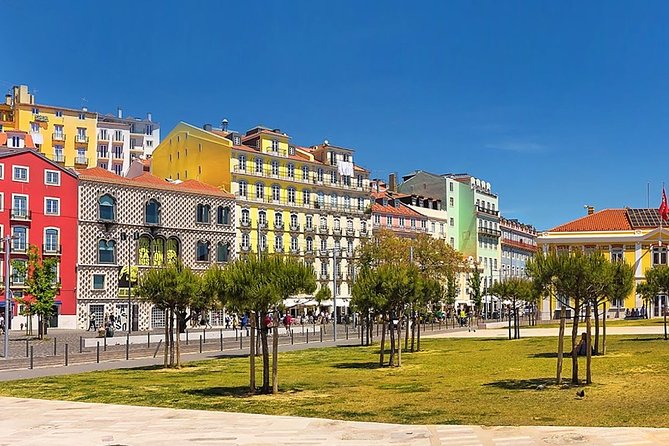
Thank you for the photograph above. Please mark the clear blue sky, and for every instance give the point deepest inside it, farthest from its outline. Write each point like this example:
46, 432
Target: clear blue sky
558, 104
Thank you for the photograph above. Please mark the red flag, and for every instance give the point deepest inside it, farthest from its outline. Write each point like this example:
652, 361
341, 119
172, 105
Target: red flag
664, 208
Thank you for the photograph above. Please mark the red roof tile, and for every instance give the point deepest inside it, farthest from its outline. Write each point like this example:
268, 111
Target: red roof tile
604, 220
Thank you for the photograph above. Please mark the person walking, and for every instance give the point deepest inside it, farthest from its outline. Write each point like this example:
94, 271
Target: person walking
92, 325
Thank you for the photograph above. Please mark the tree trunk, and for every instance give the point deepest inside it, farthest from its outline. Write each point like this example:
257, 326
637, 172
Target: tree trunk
604, 328
252, 354
275, 353
509, 323
561, 345
574, 342
596, 314
265, 355
391, 361
588, 346
413, 332
167, 338
418, 333
399, 342
383, 344
406, 334
171, 337
178, 339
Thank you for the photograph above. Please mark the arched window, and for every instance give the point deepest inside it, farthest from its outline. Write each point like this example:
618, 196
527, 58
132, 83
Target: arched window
106, 251
246, 217
202, 252
310, 244
292, 193
144, 251
158, 252
107, 208
222, 252
203, 213
51, 240
260, 191
152, 212
262, 217
333, 200
223, 215
172, 251
293, 220
278, 219
243, 188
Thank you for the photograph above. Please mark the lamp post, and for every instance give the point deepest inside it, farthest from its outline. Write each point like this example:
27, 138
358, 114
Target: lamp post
124, 236
8, 295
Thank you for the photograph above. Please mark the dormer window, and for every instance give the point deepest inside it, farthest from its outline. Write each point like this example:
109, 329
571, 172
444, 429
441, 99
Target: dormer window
275, 145
385, 202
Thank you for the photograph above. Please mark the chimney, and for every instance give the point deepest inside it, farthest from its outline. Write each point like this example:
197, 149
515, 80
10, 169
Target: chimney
207, 127
591, 209
119, 112
149, 117
8, 99
224, 125
392, 182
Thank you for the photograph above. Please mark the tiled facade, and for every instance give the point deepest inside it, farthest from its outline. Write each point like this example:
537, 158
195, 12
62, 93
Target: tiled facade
131, 235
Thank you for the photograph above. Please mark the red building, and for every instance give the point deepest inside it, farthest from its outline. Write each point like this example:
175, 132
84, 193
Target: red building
38, 206
388, 212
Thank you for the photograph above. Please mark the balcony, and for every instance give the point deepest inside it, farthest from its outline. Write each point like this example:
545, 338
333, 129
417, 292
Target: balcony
21, 214
324, 276
323, 252
294, 227
117, 155
262, 225
309, 229
245, 248
138, 149
520, 245
245, 223
58, 137
52, 249
323, 230
299, 178
81, 139
363, 232
118, 139
487, 232
278, 226
81, 161
278, 249
103, 136
123, 292
486, 211
58, 158
350, 232
294, 250
336, 231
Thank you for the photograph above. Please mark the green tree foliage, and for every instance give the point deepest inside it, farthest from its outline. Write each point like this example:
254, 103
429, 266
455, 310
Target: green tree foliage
41, 285
657, 282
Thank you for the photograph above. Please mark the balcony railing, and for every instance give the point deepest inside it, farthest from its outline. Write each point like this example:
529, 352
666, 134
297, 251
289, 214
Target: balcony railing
245, 223
21, 214
519, 245
323, 252
58, 157
483, 210
52, 249
278, 226
294, 227
81, 139
324, 276
309, 229
489, 232
336, 231
316, 205
245, 248
103, 136
58, 137
262, 225
350, 232
81, 160
298, 178
117, 155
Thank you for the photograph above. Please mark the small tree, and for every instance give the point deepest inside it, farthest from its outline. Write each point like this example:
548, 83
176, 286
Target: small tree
474, 282
41, 281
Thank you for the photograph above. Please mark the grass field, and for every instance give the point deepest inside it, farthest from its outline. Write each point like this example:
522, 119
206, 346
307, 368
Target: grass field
453, 381
654, 322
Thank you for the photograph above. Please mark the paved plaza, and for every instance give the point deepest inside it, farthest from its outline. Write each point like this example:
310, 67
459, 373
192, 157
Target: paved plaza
31, 422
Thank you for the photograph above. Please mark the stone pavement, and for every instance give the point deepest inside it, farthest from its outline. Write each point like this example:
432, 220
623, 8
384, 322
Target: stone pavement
545, 332
28, 422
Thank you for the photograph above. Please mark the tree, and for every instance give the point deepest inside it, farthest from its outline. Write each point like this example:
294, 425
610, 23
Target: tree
517, 291
657, 281
41, 285
474, 282
172, 288
620, 285
258, 286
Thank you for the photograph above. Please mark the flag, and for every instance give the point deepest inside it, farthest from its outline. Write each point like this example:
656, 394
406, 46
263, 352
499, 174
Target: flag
664, 208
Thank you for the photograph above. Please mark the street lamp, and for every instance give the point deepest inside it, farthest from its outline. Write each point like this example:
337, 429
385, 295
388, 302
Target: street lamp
124, 236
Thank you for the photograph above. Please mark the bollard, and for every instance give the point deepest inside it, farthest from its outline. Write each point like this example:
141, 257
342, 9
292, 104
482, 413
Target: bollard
235, 334
54, 346
291, 337
97, 355
432, 325
321, 332
204, 335
186, 336
127, 347
81, 344
200, 343
31, 357
377, 329
27, 343
221, 339
241, 340
347, 332
307, 336
148, 339
105, 342
66, 354
302, 328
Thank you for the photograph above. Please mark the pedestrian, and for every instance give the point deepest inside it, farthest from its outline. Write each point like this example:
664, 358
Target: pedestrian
91, 322
2, 323
227, 321
245, 323
235, 321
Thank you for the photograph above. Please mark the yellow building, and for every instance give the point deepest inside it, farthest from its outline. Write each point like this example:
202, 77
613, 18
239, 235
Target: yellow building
310, 202
630, 235
65, 135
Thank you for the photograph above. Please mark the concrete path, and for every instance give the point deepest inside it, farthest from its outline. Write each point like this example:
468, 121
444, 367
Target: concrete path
30, 422
545, 332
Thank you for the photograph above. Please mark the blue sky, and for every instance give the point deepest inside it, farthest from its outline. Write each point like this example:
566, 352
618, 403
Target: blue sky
558, 104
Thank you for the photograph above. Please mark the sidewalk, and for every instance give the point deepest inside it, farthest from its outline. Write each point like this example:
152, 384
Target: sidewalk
59, 423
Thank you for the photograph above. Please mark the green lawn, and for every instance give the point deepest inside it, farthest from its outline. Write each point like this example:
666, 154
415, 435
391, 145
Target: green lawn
654, 322
456, 381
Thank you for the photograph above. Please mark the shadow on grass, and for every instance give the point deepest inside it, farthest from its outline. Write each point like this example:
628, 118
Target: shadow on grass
236, 391
661, 338
546, 355
521, 384
356, 365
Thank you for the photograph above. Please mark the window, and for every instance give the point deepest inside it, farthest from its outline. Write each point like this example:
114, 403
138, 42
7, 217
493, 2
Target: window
359, 180
20, 173
242, 163
291, 195
401, 222
452, 221
202, 252
118, 168
310, 244
389, 220
347, 202
59, 113
377, 219
152, 214
262, 242
433, 227
51, 206
259, 165
276, 192
117, 152
309, 222
324, 244
275, 145
246, 216
450, 187
203, 213
337, 223
262, 218
305, 172
333, 200
157, 317
260, 191
2, 171
98, 281
324, 222
290, 169
306, 196
413, 222
50, 240
659, 255
106, 251
319, 175
82, 116
246, 241
52, 177
617, 255
107, 208
20, 206
19, 238
294, 245
324, 269
333, 177
293, 220
243, 189
278, 220
223, 215
349, 249
222, 252
451, 202
275, 168
349, 224
278, 243
363, 226
18, 277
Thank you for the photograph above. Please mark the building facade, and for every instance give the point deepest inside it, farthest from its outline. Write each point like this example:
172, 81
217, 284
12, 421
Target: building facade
132, 225
66, 136
631, 235
391, 213
519, 244
303, 201
38, 206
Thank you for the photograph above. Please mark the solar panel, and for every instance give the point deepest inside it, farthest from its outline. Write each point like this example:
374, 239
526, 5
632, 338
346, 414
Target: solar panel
644, 218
